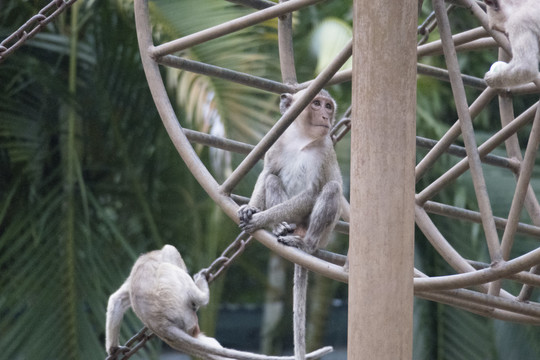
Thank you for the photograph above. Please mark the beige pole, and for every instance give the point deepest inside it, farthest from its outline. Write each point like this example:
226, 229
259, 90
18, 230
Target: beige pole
382, 180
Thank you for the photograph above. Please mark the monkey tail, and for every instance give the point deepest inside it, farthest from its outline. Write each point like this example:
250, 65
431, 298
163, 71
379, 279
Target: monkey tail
299, 306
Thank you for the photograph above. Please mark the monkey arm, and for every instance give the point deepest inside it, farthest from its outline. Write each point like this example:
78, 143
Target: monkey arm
524, 44
119, 302
293, 210
258, 199
523, 35
202, 288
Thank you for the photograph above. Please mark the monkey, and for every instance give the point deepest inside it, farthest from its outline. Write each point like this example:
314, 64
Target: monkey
166, 299
299, 193
520, 21
162, 295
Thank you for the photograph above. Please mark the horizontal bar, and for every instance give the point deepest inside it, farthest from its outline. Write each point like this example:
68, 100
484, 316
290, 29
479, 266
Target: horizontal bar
223, 73
228, 27
461, 152
442, 74
469, 215
422, 69
217, 142
255, 4
484, 276
524, 277
336, 259
435, 47
481, 304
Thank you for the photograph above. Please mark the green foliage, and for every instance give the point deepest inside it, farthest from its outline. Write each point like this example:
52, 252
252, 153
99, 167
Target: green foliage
89, 178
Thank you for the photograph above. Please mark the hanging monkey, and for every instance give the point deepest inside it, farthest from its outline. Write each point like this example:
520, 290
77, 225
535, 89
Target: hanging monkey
299, 193
520, 20
166, 299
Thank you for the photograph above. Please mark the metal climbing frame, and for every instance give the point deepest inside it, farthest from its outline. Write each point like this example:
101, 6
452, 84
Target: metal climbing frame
153, 56
475, 286
488, 298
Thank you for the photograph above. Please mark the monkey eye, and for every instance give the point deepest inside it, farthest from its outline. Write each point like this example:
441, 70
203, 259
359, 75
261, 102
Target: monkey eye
317, 102
194, 306
493, 3
329, 106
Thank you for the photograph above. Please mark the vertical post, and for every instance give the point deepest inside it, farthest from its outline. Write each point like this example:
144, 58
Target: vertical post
382, 180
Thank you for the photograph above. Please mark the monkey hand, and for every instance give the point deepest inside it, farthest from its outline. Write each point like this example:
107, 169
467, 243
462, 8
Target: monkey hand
200, 277
495, 76
248, 217
245, 212
117, 350
283, 229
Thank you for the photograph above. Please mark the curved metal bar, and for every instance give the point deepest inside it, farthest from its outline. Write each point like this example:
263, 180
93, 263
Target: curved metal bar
529, 278
478, 277
531, 309
439, 243
455, 299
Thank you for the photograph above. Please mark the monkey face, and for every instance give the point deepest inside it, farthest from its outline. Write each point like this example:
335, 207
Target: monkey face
499, 11
180, 298
317, 118
494, 4
320, 115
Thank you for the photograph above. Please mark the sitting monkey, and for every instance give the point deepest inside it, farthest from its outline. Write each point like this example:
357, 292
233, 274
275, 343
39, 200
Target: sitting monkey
166, 299
520, 20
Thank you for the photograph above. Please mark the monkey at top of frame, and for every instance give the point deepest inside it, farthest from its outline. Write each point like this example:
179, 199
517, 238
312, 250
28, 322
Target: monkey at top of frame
520, 21
166, 299
298, 194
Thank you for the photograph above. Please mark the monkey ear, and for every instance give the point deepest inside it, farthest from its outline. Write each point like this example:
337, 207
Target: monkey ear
285, 101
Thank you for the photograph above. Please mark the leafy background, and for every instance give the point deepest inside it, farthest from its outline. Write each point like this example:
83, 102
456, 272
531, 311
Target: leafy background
89, 178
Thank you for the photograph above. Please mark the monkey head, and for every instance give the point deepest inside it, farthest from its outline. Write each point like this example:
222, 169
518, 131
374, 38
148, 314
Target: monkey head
317, 118
180, 300
499, 11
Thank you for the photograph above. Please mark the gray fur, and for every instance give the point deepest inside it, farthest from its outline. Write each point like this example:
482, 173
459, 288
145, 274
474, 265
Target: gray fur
520, 20
166, 300
299, 193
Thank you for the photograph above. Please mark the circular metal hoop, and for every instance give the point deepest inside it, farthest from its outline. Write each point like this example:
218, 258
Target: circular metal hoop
488, 298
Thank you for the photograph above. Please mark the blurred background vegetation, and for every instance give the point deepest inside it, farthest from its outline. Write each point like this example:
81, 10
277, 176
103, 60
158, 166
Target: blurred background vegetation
89, 179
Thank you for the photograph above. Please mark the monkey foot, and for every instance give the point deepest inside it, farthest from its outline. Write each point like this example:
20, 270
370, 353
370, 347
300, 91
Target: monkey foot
283, 229
291, 240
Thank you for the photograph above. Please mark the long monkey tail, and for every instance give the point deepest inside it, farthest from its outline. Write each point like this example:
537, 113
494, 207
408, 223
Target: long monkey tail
299, 308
